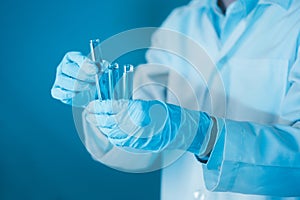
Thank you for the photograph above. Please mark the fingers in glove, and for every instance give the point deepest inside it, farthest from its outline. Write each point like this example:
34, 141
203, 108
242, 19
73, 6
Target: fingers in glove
78, 67
101, 120
111, 107
71, 84
62, 94
114, 134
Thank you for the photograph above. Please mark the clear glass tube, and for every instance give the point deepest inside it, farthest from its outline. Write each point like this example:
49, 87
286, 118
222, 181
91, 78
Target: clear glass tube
96, 56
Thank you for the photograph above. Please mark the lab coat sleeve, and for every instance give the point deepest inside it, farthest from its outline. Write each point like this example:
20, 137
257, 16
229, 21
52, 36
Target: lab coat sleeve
254, 158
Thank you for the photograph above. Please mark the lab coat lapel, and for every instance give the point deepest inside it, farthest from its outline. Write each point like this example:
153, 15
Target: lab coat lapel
214, 44
233, 40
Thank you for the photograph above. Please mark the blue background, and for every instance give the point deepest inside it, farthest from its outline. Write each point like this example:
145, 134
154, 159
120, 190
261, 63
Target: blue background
41, 154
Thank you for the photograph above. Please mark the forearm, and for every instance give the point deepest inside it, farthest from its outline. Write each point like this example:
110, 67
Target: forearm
253, 158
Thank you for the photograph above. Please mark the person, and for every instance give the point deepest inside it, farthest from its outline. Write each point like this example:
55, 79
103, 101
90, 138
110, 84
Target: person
249, 152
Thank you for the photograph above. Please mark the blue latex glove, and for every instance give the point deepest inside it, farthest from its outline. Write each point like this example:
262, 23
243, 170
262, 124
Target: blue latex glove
149, 125
75, 80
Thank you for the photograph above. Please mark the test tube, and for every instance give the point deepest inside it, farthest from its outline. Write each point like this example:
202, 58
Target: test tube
110, 82
104, 84
127, 85
113, 77
96, 56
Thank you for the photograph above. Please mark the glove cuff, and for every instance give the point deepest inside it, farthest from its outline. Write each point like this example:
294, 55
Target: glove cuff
202, 138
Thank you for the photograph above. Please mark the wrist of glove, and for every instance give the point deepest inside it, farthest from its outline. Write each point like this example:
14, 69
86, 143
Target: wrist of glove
149, 125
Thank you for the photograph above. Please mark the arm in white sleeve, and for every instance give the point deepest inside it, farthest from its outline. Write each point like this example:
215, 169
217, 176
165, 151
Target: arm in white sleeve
261, 159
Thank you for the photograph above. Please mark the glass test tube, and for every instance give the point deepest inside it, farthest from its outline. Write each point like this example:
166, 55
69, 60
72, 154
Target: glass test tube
127, 85
113, 78
96, 56
111, 85
108, 82
104, 85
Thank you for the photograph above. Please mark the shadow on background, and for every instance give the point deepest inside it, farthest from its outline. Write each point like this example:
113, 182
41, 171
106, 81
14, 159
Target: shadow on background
41, 154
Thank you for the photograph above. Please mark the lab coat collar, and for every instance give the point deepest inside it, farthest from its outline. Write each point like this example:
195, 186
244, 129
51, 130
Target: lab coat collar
248, 4
282, 3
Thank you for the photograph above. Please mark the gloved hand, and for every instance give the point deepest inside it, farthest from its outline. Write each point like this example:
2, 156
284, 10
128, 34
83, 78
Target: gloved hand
149, 125
75, 80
